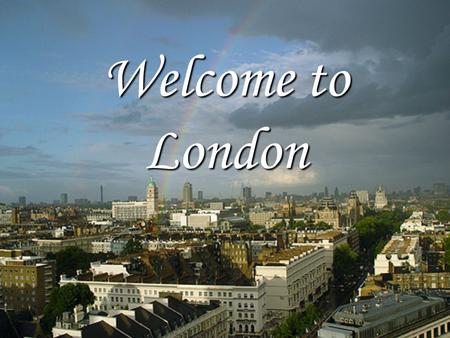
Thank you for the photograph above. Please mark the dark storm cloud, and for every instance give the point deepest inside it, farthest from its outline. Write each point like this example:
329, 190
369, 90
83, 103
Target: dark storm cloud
412, 39
403, 25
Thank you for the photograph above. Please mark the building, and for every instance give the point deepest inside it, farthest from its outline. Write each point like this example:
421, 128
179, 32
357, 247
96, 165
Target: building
261, 217
285, 281
187, 195
401, 253
355, 210
22, 201
152, 199
26, 281
328, 213
381, 200
293, 278
247, 194
64, 199
200, 196
420, 222
440, 189
237, 255
244, 304
101, 194
103, 245
216, 206
389, 315
163, 317
42, 247
420, 280
129, 211
363, 196
330, 240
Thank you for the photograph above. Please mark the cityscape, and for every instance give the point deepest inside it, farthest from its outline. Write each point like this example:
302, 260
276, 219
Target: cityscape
329, 264
225, 169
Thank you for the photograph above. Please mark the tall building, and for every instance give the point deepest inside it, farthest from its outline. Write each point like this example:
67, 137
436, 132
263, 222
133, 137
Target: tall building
326, 191
26, 281
268, 195
336, 193
101, 194
363, 196
22, 201
381, 200
355, 210
152, 199
440, 189
247, 194
200, 195
64, 198
187, 195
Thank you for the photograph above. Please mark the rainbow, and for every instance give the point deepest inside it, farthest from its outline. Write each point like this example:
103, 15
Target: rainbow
192, 108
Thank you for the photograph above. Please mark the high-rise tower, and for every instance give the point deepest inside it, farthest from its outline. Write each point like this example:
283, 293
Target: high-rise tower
152, 199
187, 195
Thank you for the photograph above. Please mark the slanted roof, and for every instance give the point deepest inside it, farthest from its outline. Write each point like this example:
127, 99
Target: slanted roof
155, 323
131, 327
174, 319
102, 329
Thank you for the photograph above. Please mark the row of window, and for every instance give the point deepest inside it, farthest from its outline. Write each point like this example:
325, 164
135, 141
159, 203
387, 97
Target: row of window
185, 293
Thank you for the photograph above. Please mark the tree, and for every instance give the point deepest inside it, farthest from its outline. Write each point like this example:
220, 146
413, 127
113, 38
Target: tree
345, 264
447, 253
296, 324
378, 227
133, 246
64, 299
71, 259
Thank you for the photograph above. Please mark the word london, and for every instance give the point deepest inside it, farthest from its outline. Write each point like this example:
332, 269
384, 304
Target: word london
241, 161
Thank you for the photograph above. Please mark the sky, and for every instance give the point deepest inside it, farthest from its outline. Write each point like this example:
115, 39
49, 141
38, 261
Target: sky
64, 128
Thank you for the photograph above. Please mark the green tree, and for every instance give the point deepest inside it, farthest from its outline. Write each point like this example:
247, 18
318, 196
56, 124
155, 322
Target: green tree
71, 259
296, 324
378, 227
64, 299
447, 253
345, 264
133, 246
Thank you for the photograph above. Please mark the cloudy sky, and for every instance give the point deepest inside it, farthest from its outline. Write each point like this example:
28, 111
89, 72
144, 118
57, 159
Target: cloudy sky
64, 128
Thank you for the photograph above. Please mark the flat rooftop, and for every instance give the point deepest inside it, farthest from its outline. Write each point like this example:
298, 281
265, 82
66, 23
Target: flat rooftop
285, 256
403, 245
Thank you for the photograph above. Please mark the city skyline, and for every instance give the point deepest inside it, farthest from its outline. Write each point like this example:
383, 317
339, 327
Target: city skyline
64, 129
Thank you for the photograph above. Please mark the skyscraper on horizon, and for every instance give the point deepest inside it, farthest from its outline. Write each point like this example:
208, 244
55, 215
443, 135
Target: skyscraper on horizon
64, 198
152, 199
247, 193
22, 201
187, 195
101, 194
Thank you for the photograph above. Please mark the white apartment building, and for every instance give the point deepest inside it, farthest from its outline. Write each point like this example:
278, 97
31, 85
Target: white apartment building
245, 304
288, 281
400, 251
293, 278
328, 239
129, 211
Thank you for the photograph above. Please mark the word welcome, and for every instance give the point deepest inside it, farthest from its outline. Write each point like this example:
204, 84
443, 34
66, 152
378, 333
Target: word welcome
240, 161
228, 83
